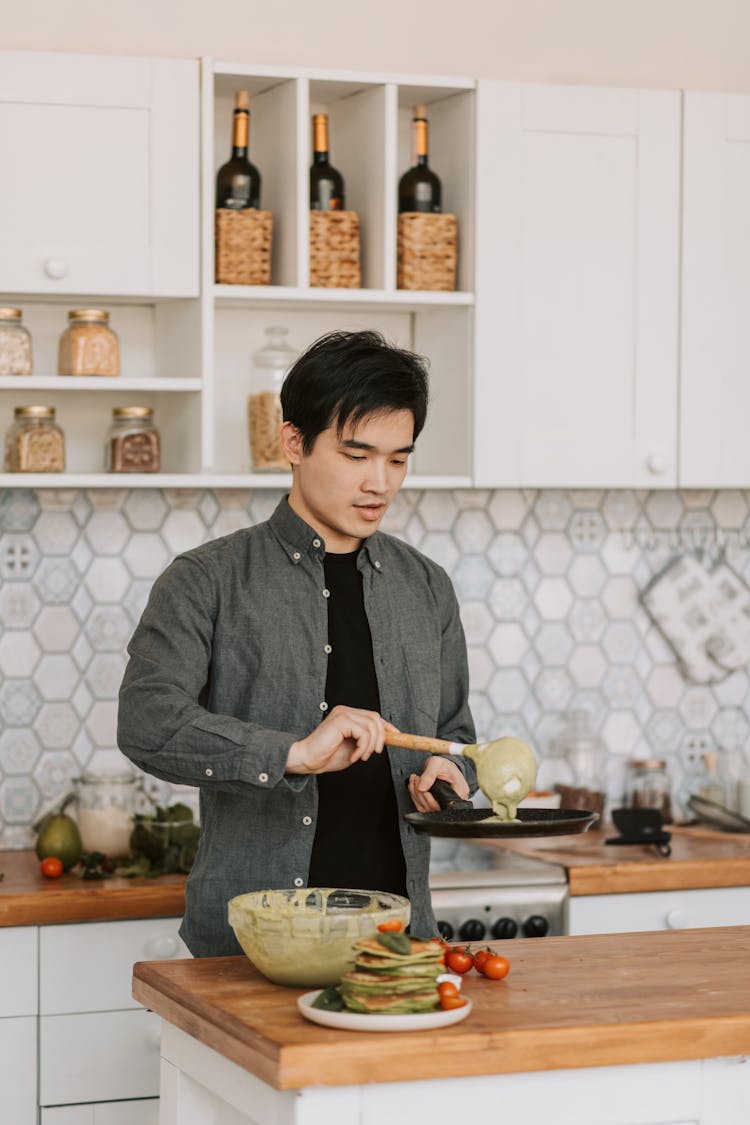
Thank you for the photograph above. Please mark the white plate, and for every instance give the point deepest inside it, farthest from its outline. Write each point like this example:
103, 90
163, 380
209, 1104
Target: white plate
363, 1021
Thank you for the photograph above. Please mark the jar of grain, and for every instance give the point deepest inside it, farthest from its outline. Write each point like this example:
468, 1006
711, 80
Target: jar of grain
133, 444
15, 344
647, 786
270, 365
34, 443
88, 346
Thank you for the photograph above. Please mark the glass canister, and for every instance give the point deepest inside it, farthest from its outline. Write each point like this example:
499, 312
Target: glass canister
647, 786
133, 444
34, 443
88, 346
270, 365
15, 344
107, 803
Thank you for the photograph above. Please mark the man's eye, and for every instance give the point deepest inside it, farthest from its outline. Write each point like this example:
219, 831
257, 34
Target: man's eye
354, 456
398, 461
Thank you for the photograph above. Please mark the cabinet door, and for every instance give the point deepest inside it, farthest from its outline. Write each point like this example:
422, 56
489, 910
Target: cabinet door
144, 1111
715, 388
577, 286
99, 192
19, 971
660, 910
18, 1071
98, 1057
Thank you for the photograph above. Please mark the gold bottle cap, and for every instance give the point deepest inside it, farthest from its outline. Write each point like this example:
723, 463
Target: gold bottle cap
10, 314
132, 411
89, 314
320, 132
242, 100
419, 112
34, 412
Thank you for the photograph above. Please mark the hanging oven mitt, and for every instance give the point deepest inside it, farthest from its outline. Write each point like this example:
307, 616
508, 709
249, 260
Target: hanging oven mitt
704, 616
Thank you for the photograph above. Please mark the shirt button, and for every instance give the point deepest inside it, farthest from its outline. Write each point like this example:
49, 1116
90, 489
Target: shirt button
299, 882
327, 648
316, 542
263, 777
296, 556
377, 565
326, 593
324, 706
209, 772
307, 820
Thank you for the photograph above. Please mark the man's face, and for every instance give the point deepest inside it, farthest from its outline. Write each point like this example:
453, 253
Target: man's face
344, 485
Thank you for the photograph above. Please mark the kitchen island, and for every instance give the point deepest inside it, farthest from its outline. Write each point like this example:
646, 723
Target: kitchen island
619, 1029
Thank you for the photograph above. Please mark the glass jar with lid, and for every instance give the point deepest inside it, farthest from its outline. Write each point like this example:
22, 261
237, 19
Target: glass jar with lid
133, 444
88, 346
34, 443
270, 365
647, 786
106, 805
15, 344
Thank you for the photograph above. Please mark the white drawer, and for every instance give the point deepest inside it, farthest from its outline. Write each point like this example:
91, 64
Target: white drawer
18, 971
98, 1057
660, 910
18, 1071
141, 1112
88, 967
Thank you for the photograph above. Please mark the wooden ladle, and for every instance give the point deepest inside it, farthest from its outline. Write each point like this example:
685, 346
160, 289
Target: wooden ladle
506, 767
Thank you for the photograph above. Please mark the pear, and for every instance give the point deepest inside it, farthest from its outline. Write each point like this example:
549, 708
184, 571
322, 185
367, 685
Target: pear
506, 771
59, 836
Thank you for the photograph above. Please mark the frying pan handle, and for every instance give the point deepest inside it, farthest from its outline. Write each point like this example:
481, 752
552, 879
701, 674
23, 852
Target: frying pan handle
447, 797
422, 742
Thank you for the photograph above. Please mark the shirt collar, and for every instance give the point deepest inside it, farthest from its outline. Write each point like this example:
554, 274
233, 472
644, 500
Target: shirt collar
299, 539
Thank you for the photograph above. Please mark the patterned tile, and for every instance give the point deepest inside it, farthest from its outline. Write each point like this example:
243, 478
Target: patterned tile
19, 556
19, 509
19, 653
56, 532
19, 605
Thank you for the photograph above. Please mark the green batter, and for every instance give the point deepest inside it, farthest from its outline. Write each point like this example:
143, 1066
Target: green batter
506, 772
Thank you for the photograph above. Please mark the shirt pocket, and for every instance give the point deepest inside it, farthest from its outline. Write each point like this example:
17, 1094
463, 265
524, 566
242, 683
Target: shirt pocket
423, 678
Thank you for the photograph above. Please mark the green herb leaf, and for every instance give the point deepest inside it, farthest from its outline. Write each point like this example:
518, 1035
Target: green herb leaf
330, 1000
397, 943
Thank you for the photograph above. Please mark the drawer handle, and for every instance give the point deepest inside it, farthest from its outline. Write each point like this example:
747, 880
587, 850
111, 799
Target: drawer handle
162, 948
657, 464
676, 919
56, 268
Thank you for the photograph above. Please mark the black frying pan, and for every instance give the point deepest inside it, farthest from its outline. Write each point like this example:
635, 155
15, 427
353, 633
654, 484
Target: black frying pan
459, 818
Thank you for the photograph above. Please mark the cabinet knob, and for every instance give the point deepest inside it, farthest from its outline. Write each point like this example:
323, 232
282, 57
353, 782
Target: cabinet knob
162, 948
657, 464
676, 919
56, 268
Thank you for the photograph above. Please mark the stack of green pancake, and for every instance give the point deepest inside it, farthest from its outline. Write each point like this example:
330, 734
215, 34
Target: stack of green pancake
393, 974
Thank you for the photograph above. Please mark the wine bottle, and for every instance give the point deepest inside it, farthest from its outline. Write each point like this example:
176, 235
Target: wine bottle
419, 189
238, 181
326, 182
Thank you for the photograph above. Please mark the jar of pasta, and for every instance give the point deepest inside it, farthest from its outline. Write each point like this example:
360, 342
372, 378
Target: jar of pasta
34, 443
133, 444
270, 365
88, 346
15, 344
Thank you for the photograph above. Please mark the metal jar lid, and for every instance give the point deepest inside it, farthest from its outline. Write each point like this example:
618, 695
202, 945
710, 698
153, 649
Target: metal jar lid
10, 314
100, 315
647, 764
34, 412
132, 411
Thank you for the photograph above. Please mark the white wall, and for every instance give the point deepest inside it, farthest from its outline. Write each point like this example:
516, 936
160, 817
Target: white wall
659, 43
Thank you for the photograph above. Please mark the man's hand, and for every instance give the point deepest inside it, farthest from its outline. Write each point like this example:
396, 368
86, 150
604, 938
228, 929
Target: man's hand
347, 735
437, 766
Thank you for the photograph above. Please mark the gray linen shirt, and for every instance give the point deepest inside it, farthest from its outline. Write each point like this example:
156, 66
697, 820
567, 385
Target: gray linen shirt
228, 668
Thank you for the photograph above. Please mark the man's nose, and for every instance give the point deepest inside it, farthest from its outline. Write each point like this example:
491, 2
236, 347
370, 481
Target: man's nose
377, 476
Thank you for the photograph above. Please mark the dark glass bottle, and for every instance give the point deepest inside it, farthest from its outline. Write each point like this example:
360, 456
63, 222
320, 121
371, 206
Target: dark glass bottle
238, 181
419, 189
326, 182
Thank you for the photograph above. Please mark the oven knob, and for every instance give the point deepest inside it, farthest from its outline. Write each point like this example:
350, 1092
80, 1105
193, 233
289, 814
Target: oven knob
445, 930
535, 926
505, 928
472, 930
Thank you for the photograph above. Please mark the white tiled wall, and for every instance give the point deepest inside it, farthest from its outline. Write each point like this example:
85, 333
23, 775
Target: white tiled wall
549, 585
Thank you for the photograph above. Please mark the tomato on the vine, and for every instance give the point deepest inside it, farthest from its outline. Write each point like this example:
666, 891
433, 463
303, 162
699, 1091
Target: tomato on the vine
51, 867
495, 966
480, 957
392, 926
459, 960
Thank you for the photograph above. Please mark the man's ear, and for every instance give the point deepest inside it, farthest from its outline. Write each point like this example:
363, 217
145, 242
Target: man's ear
291, 442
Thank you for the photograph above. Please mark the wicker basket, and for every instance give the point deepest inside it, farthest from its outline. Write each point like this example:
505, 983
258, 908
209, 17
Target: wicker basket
334, 249
243, 247
426, 251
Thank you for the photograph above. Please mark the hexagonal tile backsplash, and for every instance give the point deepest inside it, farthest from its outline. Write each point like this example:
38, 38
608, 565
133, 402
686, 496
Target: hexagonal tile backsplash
549, 584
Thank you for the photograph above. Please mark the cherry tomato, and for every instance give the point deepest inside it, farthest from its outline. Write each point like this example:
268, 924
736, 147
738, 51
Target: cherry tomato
495, 967
392, 926
51, 867
459, 960
452, 1002
447, 988
480, 957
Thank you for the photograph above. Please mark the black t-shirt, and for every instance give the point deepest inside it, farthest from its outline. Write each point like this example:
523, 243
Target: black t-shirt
357, 842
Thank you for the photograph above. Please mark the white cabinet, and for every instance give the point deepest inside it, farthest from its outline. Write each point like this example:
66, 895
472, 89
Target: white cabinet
715, 392
659, 910
137, 1112
576, 286
99, 188
18, 1070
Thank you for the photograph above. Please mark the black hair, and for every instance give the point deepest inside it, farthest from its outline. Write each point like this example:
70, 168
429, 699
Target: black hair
345, 376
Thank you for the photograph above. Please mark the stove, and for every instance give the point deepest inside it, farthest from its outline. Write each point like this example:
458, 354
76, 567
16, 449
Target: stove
511, 897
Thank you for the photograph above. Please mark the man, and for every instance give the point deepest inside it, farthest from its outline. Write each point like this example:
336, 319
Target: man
269, 665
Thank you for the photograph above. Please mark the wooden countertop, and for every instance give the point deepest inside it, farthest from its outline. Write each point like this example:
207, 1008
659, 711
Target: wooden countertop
701, 857
567, 1002
28, 899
